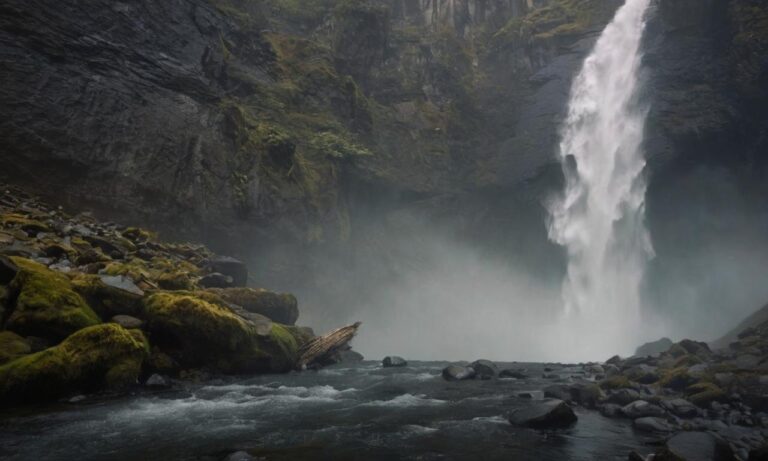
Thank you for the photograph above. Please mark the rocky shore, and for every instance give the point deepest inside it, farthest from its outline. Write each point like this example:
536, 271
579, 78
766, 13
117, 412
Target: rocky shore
91, 306
701, 404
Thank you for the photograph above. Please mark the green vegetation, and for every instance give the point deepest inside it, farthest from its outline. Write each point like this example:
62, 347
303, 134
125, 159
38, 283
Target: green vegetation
47, 304
99, 356
12, 346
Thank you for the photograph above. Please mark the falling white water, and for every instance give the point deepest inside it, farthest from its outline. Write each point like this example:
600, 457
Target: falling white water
600, 217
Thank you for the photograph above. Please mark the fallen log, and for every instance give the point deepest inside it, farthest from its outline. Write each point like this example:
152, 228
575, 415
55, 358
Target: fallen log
322, 348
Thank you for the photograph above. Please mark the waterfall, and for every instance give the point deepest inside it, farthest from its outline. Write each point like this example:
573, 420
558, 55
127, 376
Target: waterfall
599, 219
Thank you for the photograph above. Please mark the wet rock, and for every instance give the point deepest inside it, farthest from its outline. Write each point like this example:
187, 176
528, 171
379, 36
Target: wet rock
680, 407
623, 396
758, 454
695, 446
393, 361
610, 410
8, 270
458, 373
279, 307
643, 374
557, 391
652, 424
231, 267
95, 357
91, 256
615, 360
77, 399
654, 347
485, 369
127, 321
595, 369
216, 280
641, 408
157, 381
547, 414
122, 282
509, 373
586, 395
47, 305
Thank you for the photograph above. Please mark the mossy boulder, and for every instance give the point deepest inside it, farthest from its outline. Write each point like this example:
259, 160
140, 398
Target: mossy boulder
616, 382
702, 394
677, 379
109, 299
99, 357
198, 330
279, 307
12, 346
46, 305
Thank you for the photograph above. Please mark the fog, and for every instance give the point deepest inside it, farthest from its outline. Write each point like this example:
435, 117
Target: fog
425, 288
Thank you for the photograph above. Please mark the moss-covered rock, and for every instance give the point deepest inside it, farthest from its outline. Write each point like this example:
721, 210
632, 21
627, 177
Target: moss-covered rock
107, 300
676, 379
94, 358
702, 394
175, 281
616, 382
279, 307
47, 305
198, 330
12, 346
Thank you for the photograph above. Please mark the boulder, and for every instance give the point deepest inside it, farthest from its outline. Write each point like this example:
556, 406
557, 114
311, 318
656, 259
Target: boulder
641, 408
680, 407
643, 374
126, 321
623, 396
458, 373
12, 346
615, 360
279, 307
240, 456
215, 280
586, 395
110, 295
231, 267
695, 446
516, 374
350, 356
610, 410
47, 305
485, 369
393, 361
201, 330
652, 424
654, 348
557, 391
96, 357
547, 414
703, 394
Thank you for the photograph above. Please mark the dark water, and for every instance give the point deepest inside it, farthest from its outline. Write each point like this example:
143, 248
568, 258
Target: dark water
346, 412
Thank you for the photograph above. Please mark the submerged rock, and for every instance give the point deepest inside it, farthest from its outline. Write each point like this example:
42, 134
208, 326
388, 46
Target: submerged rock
547, 414
458, 373
157, 381
99, 356
393, 361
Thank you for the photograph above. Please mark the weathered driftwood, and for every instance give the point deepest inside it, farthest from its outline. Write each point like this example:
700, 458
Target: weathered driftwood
322, 347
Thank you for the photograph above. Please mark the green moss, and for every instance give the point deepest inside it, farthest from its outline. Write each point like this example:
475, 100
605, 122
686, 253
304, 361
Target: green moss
12, 346
702, 394
23, 222
687, 361
616, 382
279, 307
96, 357
47, 305
333, 146
676, 378
136, 234
199, 330
106, 300
175, 281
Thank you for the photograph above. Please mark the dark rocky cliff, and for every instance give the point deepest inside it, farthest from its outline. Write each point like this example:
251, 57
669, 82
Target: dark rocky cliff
279, 125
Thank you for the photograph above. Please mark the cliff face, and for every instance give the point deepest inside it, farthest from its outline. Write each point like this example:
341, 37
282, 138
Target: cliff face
238, 117
249, 123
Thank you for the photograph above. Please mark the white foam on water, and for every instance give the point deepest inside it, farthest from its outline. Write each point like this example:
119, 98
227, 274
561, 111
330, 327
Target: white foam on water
406, 400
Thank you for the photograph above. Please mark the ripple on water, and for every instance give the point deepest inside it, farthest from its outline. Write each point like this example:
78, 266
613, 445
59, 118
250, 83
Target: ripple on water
405, 400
